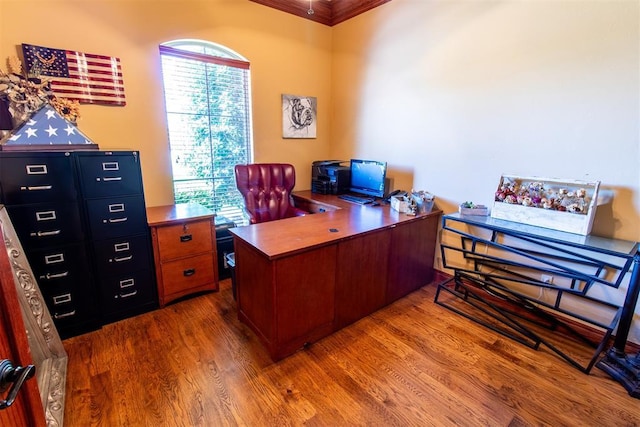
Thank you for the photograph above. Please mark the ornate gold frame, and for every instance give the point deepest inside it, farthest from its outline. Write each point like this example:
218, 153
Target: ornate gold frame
47, 351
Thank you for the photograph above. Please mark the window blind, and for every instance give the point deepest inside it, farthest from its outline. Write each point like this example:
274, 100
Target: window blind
208, 117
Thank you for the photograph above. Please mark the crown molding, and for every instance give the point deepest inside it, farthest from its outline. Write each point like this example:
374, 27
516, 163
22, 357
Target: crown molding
327, 12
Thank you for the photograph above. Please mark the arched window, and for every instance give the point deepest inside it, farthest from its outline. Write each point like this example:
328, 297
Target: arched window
207, 97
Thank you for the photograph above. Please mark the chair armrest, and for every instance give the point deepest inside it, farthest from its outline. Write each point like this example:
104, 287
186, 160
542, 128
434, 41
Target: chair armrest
298, 212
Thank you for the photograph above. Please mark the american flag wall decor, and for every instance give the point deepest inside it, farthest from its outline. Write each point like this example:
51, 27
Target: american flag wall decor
88, 78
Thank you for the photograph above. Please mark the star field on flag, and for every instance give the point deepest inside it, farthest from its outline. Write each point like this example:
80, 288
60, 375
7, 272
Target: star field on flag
47, 127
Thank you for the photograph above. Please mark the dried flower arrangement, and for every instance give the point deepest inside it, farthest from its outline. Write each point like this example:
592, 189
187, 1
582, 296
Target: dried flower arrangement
23, 95
537, 194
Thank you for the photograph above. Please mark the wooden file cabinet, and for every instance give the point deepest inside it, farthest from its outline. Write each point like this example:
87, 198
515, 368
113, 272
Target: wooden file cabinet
184, 250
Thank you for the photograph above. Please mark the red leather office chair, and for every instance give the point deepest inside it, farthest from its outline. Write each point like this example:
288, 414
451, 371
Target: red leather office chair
266, 188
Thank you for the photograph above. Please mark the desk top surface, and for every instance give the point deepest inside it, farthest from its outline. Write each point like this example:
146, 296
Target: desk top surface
290, 235
162, 215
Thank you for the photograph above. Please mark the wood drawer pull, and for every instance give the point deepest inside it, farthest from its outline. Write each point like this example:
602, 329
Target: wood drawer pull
186, 238
189, 272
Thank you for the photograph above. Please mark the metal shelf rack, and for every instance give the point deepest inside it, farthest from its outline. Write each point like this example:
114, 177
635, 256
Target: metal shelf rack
530, 283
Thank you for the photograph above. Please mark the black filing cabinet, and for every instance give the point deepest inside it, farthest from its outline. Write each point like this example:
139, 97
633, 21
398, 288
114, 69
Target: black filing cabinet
40, 192
80, 217
112, 192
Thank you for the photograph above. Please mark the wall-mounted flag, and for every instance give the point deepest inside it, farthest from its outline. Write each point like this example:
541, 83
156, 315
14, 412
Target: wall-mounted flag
88, 78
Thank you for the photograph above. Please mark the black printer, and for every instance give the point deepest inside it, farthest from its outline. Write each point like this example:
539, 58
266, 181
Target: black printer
330, 177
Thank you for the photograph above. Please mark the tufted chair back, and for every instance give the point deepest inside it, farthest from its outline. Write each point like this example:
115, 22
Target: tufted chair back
266, 188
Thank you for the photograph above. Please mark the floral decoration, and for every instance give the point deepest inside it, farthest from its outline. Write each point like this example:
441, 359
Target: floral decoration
536, 194
24, 95
67, 108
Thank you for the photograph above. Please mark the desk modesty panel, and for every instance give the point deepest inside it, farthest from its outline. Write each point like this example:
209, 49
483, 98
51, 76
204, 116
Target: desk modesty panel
300, 279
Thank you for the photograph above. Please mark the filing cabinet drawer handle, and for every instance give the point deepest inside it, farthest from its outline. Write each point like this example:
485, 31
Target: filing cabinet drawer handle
45, 233
123, 258
115, 220
110, 178
130, 294
49, 276
189, 272
186, 238
63, 315
37, 188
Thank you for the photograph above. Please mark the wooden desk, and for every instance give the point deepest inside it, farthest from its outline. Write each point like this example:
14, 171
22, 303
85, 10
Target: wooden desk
184, 250
300, 279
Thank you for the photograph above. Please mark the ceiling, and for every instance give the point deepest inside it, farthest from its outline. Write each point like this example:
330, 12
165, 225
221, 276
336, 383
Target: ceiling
327, 12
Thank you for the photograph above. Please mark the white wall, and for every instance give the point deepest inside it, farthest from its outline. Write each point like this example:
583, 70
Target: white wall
453, 94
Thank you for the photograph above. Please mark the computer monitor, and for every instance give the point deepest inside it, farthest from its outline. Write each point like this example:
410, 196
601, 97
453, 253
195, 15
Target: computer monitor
368, 177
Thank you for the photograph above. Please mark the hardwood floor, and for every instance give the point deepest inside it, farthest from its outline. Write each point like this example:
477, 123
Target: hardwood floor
412, 363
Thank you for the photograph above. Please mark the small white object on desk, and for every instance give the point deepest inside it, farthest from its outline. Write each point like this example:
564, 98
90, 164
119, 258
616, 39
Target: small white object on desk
469, 208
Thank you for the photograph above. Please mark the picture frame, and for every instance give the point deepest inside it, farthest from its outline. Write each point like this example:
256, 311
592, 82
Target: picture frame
299, 116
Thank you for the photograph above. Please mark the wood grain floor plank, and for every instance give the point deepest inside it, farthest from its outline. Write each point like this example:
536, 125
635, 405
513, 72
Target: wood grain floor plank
413, 363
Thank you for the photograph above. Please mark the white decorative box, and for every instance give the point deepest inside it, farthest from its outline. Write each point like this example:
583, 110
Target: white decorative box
559, 204
479, 210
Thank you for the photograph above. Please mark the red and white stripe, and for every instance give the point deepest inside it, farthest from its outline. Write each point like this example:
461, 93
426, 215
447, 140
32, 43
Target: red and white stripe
93, 79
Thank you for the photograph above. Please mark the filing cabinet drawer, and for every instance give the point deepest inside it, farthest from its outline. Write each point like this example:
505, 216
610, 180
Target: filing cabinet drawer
118, 256
71, 305
185, 239
52, 266
188, 273
36, 178
45, 225
105, 175
125, 292
116, 217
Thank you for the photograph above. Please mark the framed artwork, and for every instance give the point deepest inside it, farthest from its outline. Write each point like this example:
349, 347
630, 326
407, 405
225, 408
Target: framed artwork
299, 116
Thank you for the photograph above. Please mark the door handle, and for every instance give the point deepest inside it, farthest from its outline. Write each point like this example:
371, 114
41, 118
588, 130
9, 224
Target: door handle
14, 376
